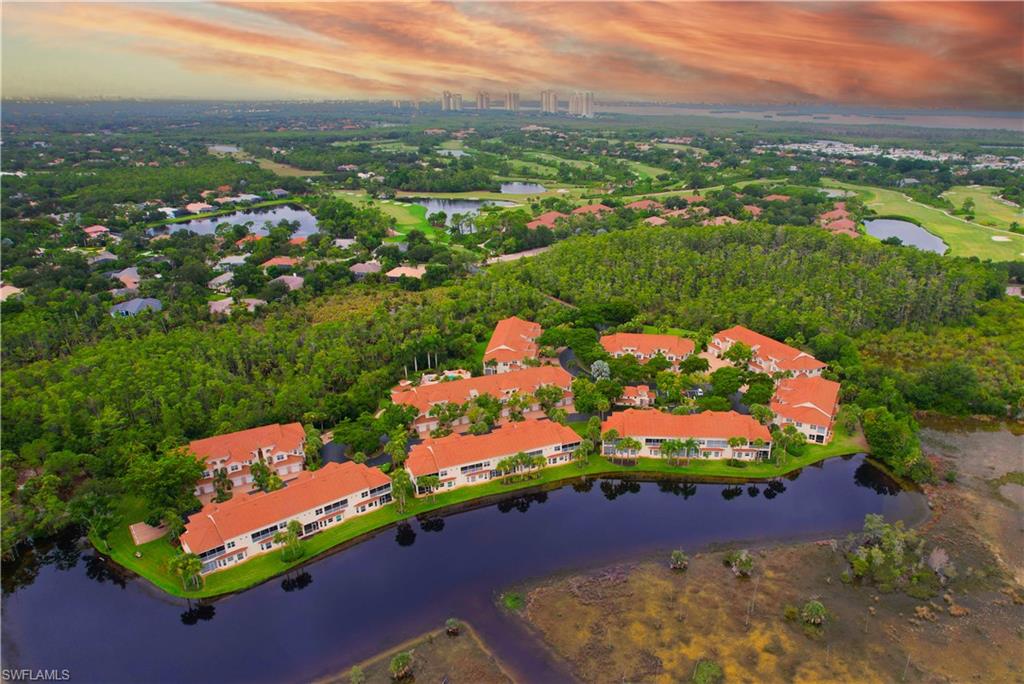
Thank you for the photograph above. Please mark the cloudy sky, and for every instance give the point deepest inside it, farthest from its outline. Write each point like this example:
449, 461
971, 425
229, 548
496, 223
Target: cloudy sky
906, 54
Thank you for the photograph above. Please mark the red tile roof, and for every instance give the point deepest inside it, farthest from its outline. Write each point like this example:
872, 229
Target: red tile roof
513, 340
500, 385
548, 218
645, 205
591, 209
301, 240
434, 455
754, 210
279, 261
248, 238
776, 198
834, 215
707, 425
239, 446
811, 400
786, 357
647, 344
216, 523
655, 221
841, 225
720, 221
93, 231
415, 272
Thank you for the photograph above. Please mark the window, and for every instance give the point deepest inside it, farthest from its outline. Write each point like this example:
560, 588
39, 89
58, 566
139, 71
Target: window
212, 552
474, 466
265, 546
235, 467
381, 489
230, 545
280, 457
256, 536
331, 507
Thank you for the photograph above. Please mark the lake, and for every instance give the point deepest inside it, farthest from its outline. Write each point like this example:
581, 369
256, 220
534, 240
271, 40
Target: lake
455, 206
517, 188
453, 153
283, 212
224, 149
65, 607
910, 233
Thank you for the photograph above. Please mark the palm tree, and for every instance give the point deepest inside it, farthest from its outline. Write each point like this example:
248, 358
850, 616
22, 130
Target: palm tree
289, 537
431, 483
670, 449
401, 484
735, 442
401, 665
630, 446
609, 438
189, 568
690, 445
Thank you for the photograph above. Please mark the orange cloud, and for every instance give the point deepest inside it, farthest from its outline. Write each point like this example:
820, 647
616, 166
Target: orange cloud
945, 54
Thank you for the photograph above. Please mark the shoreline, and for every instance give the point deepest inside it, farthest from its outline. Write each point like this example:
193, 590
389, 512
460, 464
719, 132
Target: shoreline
266, 567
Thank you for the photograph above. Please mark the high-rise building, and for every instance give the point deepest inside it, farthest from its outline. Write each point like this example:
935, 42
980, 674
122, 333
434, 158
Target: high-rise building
581, 103
483, 101
549, 102
451, 102
511, 101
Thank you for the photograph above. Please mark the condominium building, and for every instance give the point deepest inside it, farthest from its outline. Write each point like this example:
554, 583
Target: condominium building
502, 386
225, 534
511, 101
719, 434
769, 356
483, 101
549, 102
647, 346
460, 460
281, 447
451, 102
809, 404
582, 104
513, 342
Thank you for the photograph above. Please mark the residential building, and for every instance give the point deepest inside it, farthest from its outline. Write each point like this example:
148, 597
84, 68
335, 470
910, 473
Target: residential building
414, 272
713, 431
511, 101
345, 243
460, 460
229, 263
96, 232
222, 283
501, 386
451, 102
549, 102
279, 193
361, 270
647, 346
133, 307
281, 447
228, 533
809, 404
7, 291
596, 209
645, 205
582, 104
512, 343
292, 282
198, 207
224, 306
655, 221
483, 101
770, 356
284, 261
547, 219
637, 396
129, 277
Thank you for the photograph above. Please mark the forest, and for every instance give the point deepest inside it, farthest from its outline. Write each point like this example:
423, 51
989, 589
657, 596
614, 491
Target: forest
893, 323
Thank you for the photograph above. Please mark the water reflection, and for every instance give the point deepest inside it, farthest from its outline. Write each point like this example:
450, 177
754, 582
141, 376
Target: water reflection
405, 535
296, 581
613, 489
199, 612
873, 478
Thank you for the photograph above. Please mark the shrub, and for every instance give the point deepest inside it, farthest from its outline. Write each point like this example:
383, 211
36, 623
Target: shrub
512, 600
679, 560
790, 612
452, 626
401, 665
951, 476
741, 562
356, 675
814, 613
708, 672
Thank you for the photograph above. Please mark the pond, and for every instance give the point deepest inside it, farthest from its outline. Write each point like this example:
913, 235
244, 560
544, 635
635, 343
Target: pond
453, 153
455, 206
910, 233
224, 149
284, 212
517, 188
65, 608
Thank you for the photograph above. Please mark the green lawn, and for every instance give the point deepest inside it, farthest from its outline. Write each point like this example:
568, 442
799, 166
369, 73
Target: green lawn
152, 565
678, 332
963, 237
543, 157
645, 170
407, 216
988, 210
286, 170
697, 151
532, 169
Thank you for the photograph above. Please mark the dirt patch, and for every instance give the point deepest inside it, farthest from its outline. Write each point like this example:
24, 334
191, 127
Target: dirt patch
645, 622
437, 657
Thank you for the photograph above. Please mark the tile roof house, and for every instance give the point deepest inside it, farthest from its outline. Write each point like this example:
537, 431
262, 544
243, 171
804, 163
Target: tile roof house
100, 258
719, 221
283, 261
512, 343
364, 269
224, 534
198, 207
345, 243
637, 396
7, 291
134, 307
96, 232
645, 205
501, 386
770, 356
655, 221
414, 272
222, 283
548, 218
458, 460
247, 239
752, 209
292, 282
230, 262
647, 346
809, 404
776, 198
224, 306
596, 209
712, 429
129, 277
282, 447
845, 226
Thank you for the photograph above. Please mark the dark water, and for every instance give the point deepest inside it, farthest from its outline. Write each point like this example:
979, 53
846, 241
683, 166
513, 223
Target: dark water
258, 217
455, 206
517, 188
67, 611
911, 234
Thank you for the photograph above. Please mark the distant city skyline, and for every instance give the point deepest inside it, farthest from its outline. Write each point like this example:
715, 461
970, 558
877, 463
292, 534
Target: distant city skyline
891, 54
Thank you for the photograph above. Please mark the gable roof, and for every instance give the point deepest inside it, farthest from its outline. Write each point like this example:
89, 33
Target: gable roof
433, 455
591, 209
136, 306
785, 356
218, 522
416, 272
279, 261
500, 385
239, 446
708, 424
513, 340
548, 218
806, 399
644, 204
647, 344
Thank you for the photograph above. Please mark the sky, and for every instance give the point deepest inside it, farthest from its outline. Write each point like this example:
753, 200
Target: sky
894, 54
